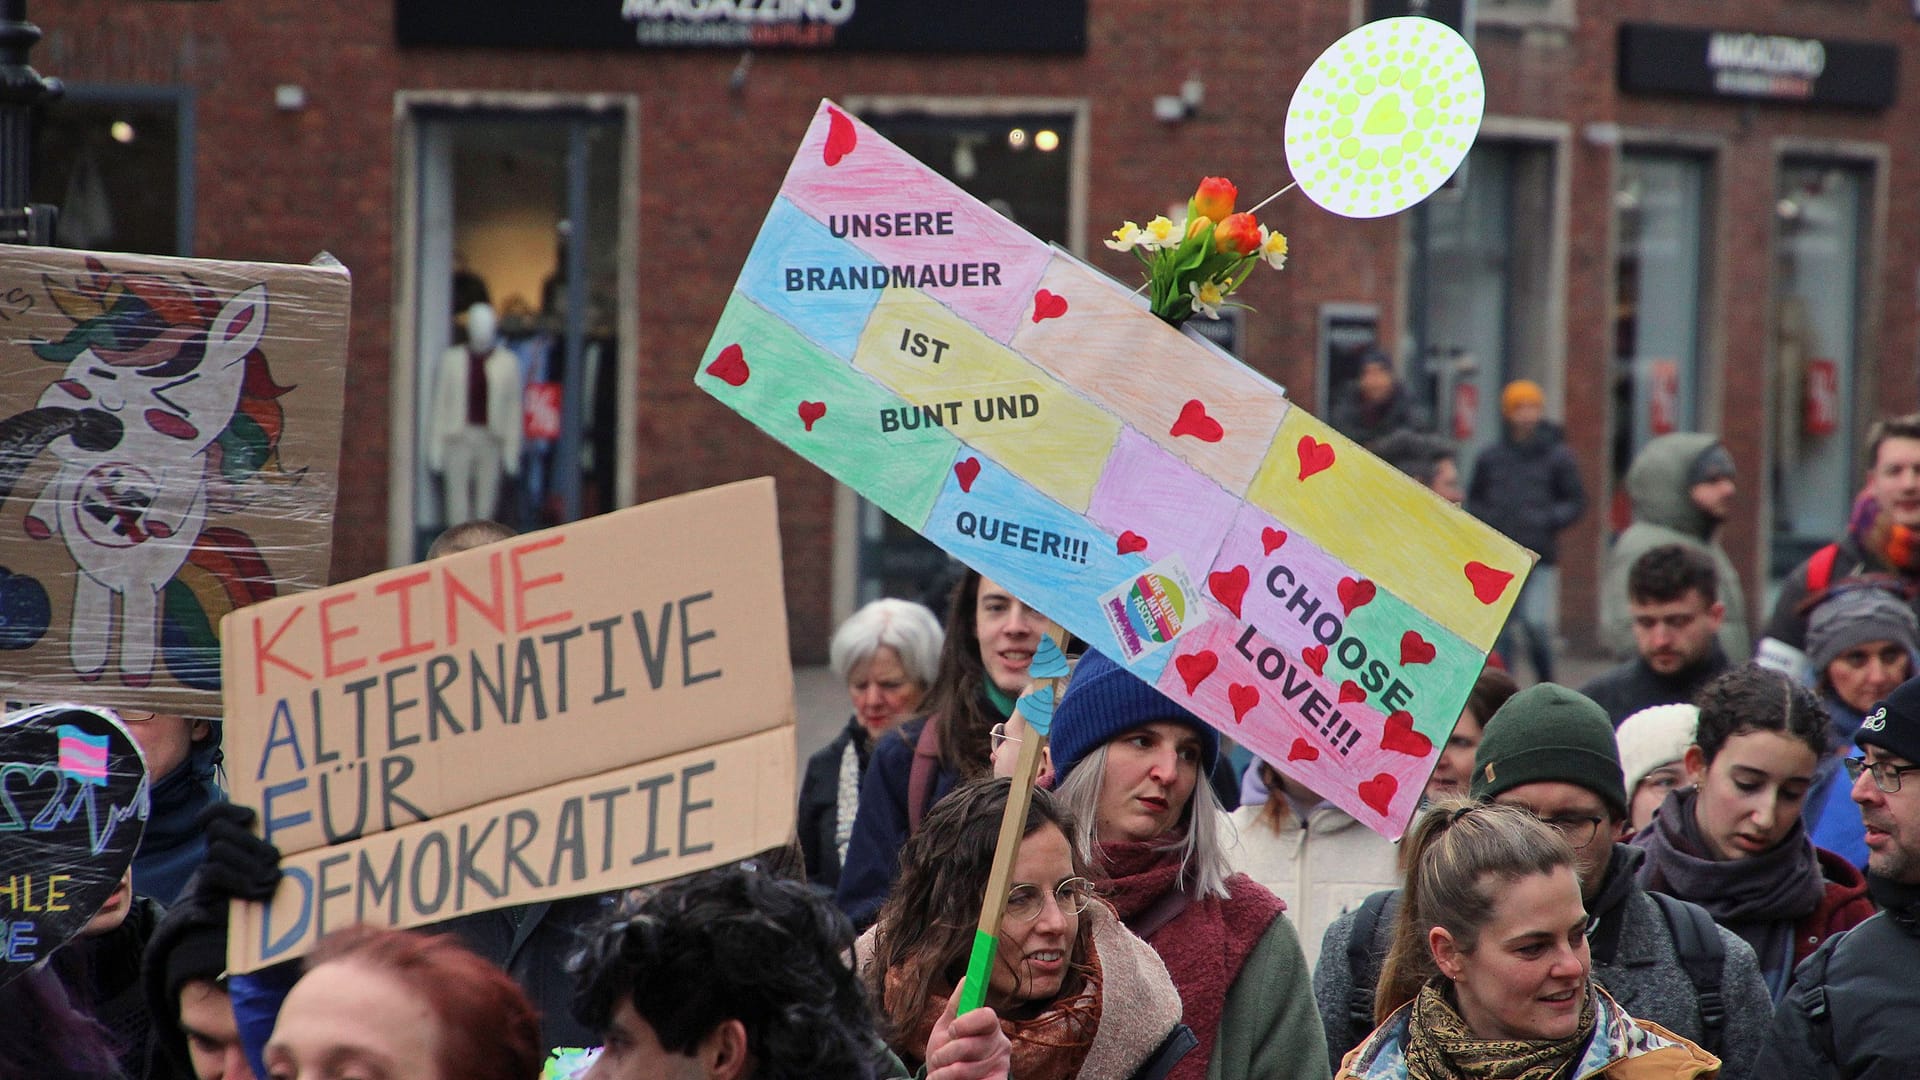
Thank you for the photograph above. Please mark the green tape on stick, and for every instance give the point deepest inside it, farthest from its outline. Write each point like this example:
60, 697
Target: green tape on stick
973, 992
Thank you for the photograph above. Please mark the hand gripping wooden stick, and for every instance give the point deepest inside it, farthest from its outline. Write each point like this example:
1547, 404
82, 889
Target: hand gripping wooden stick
1049, 670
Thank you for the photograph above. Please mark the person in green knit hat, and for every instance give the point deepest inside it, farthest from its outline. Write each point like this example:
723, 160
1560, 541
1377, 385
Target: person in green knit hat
1550, 750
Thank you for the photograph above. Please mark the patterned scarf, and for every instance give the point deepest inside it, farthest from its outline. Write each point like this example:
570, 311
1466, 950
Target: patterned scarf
1049, 1045
1877, 535
1440, 1046
846, 798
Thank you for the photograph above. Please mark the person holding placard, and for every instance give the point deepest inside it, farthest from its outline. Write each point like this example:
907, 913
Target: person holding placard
991, 638
1130, 764
888, 653
1076, 993
1489, 975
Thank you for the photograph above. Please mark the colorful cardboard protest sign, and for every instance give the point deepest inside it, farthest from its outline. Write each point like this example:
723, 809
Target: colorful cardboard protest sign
169, 447
595, 706
1165, 503
73, 805
1384, 116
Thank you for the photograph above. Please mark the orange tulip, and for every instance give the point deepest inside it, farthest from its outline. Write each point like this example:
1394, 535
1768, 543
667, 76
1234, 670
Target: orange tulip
1238, 235
1214, 198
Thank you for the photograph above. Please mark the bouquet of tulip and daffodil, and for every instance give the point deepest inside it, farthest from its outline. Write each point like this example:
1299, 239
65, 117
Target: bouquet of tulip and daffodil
1196, 267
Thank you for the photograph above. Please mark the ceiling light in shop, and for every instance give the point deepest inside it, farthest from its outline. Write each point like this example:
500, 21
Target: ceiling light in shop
121, 131
1017, 138
1046, 140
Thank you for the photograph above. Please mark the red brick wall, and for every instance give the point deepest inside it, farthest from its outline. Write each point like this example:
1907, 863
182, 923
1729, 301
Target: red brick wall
282, 186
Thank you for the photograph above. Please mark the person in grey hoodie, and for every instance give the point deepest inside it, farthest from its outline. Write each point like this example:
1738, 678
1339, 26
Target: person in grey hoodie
1527, 485
1682, 488
1552, 751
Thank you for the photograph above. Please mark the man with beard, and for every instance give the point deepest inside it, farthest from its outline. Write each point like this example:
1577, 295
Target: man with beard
1673, 595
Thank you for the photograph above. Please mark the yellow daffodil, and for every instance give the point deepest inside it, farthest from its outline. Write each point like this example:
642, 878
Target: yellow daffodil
1160, 233
1273, 248
1207, 297
1126, 237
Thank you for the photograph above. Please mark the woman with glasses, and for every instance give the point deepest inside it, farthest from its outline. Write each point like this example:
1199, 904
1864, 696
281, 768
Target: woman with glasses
1076, 994
1130, 766
1490, 976
1735, 842
1863, 641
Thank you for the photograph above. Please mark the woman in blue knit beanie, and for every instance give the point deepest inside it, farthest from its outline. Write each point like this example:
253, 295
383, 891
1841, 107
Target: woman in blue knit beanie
1131, 766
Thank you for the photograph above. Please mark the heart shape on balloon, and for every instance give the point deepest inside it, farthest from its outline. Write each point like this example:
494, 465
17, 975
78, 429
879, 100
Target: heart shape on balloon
73, 801
1400, 737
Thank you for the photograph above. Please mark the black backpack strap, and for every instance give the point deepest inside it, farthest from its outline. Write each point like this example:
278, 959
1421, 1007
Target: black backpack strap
1363, 967
1810, 984
1703, 956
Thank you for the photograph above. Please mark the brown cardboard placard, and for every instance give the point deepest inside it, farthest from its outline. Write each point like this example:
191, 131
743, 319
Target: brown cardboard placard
480, 679
169, 452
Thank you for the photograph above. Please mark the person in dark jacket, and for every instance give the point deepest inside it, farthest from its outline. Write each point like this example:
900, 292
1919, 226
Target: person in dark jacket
100, 969
1882, 541
1854, 1005
184, 978
1682, 487
1527, 486
1551, 751
1674, 597
888, 652
1735, 843
183, 759
1376, 404
991, 637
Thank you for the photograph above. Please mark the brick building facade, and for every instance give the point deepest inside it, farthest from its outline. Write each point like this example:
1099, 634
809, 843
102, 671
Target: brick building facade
1643, 254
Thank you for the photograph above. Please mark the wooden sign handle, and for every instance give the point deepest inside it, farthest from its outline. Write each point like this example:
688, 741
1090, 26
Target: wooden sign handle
973, 991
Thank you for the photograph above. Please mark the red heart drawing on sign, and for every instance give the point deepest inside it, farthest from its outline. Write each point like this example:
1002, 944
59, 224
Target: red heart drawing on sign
1047, 305
811, 411
1315, 657
967, 472
1243, 698
1194, 421
730, 366
1400, 737
1195, 667
841, 138
1488, 583
1315, 456
1415, 649
1350, 691
1355, 592
1378, 792
1303, 751
1271, 539
1229, 587
1130, 542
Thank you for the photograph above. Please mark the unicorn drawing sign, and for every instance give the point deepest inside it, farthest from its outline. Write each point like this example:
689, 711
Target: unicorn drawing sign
182, 424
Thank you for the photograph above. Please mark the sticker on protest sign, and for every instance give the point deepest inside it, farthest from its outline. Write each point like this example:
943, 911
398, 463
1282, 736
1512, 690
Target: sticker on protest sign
1331, 613
73, 806
518, 722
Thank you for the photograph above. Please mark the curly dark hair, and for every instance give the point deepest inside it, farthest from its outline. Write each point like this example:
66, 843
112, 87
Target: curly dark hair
928, 922
1753, 698
1671, 571
734, 944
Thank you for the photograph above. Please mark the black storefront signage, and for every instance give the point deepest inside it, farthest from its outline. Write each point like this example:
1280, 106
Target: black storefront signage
921, 26
1746, 65
1452, 12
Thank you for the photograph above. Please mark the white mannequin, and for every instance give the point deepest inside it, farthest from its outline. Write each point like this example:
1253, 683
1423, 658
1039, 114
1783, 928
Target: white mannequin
473, 455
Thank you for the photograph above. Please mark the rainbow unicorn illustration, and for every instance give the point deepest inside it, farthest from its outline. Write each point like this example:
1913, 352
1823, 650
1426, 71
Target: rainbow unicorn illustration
164, 408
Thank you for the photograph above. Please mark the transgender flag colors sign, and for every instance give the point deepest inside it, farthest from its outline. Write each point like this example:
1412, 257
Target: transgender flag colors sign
1165, 503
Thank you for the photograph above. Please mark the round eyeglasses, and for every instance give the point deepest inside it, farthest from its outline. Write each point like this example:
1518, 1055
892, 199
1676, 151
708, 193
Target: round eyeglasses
1026, 902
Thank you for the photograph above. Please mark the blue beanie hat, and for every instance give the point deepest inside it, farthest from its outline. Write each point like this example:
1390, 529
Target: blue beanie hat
1105, 700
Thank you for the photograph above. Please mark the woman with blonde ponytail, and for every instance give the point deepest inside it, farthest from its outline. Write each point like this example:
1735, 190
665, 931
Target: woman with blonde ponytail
1488, 976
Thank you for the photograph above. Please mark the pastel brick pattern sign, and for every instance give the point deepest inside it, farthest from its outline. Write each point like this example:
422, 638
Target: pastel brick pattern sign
1165, 503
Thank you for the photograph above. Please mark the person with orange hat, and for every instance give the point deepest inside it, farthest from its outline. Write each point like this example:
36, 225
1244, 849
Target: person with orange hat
1528, 486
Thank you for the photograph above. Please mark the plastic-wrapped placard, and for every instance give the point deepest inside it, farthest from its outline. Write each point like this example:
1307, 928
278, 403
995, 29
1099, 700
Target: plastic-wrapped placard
169, 452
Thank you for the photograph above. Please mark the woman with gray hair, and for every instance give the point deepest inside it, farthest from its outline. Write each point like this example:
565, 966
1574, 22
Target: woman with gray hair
1132, 767
887, 652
